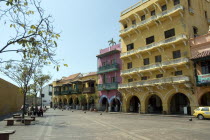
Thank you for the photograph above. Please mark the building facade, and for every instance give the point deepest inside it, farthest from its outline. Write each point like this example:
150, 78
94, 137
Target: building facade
157, 74
109, 66
46, 100
200, 50
11, 99
78, 91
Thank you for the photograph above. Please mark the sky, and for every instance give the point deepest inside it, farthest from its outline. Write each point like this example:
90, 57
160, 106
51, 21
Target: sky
86, 26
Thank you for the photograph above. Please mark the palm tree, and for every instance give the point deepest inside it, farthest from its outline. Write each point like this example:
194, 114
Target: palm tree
112, 42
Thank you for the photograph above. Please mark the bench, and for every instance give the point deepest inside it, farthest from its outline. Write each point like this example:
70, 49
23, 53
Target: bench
10, 122
33, 117
28, 121
16, 115
4, 135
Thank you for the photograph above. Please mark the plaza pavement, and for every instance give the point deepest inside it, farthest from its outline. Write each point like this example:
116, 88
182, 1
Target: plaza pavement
77, 125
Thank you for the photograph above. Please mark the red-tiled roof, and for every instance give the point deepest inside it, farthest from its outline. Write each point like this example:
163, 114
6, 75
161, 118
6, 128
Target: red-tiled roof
202, 54
72, 76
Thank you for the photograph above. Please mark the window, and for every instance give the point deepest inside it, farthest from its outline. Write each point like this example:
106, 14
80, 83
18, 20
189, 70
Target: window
150, 40
125, 26
159, 75
176, 2
158, 58
146, 61
205, 109
143, 17
113, 79
103, 63
144, 78
129, 65
130, 47
153, 13
178, 73
205, 67
164, 7
176, 54
169, 33
195, 31
134, 22
130, 80
113, 61
189, 3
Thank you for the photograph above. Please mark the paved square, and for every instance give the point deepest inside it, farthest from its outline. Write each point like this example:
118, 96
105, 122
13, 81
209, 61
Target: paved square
77, 125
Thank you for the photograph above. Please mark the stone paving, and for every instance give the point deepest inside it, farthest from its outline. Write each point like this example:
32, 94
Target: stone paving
77, 125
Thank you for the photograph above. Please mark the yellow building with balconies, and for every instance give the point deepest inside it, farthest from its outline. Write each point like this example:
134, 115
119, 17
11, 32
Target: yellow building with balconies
158, 76
77, 90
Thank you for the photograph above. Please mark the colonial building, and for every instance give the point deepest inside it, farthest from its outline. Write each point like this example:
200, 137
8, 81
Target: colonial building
109, 65
200, 50
157, 74
77, 91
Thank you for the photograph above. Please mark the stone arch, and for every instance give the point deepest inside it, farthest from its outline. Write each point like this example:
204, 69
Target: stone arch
65, 101
153, 103
104, 103
133, 104
115, 104
101, 98
204, 100
70, 101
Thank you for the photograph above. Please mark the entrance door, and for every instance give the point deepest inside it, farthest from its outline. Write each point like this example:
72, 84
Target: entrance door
155, 105
134, 104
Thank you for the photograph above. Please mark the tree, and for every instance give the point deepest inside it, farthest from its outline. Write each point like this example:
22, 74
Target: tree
32, 31
38, 80
112, 42
82, 100
21, 73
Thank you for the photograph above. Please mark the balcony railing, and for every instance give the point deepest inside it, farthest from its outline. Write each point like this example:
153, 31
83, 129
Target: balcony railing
157, 65
133, 7
203, 79
155, 45
107, 86
66, 92
89, 90
108, 68
153, 18
154, 82
57, 92
76, 91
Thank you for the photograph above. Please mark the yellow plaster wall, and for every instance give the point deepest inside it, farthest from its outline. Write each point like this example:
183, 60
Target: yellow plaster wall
10, 98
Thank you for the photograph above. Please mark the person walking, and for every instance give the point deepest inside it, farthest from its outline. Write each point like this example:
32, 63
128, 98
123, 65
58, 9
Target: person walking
36, 110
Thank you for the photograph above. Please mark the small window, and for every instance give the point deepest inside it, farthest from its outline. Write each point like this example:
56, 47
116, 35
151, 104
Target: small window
103, 63
176, 2
150, 40
134, 22
146, 61
125, 26
143, 17
178, 73
130, 47
176, 54
205, 14
153, 13
169, 33
130, 80
113, 79
129, 65
113, 61
159, 75
158, 58
189, 3
144, 78
195, 31
164, 7
205, 109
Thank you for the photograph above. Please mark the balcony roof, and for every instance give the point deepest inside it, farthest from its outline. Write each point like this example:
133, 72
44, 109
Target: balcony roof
108, 53
201, 55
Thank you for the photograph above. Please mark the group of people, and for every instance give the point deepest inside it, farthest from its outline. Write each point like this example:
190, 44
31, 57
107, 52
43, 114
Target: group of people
36, 111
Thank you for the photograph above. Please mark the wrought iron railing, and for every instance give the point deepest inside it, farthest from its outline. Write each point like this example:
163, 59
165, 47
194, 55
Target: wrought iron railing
108, 68
107, 86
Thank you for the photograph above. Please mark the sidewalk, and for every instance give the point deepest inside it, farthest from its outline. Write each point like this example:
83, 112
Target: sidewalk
8, 115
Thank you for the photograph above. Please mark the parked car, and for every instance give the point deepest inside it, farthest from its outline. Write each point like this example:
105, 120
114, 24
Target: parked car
202, 113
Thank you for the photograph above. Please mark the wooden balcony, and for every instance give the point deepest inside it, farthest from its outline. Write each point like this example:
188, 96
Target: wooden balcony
107, 86
89, 90
108, 68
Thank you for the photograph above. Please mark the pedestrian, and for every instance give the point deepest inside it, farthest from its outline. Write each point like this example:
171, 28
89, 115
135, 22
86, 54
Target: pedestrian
36, 110
41, 112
